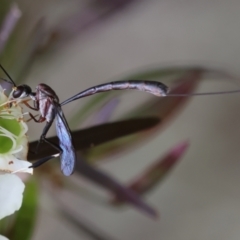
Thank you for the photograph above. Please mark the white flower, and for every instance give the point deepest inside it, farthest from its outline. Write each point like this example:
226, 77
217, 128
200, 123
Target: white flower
13, 139
3, 238
11, 190
13, 154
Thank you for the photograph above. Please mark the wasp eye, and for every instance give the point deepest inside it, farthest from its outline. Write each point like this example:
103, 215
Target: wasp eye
22, 91
18, 92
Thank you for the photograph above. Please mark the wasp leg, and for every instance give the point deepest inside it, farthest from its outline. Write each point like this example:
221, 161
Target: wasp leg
39, 120
43, 136
43, 160
28, 120
36, 108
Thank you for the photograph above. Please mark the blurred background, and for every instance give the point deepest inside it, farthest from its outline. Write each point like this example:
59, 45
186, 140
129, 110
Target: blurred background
74, 44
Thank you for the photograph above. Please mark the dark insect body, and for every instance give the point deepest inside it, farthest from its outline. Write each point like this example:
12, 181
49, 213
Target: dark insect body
46, 101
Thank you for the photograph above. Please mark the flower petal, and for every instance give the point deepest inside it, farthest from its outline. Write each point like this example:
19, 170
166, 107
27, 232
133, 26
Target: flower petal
23, 142
11, 164
11, 190
3, 238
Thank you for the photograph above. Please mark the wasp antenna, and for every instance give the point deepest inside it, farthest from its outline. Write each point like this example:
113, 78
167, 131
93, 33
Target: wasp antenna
203, 93
5, 80
11, 81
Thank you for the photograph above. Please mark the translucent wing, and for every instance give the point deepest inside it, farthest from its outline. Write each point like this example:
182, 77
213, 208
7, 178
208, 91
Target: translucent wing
68, 154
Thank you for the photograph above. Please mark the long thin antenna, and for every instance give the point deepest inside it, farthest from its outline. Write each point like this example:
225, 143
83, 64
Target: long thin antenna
7, 75
202, 94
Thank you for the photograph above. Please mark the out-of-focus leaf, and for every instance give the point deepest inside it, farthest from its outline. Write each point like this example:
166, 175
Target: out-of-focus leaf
16, 52
103, 114
81, 224
157, 172
82, 114
26, 54
113, 186
93, 136
9, 24
164, 108
10, 15
168, 75
29, 50
143, 183
26, 217
76, 23
4, 9
107, 182
82, 191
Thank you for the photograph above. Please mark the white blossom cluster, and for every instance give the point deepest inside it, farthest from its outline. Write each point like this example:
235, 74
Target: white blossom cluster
13, 154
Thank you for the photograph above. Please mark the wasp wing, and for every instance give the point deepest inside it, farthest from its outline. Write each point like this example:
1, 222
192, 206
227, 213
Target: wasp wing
68, 154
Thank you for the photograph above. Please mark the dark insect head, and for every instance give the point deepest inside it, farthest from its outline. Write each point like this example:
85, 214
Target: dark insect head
21, 91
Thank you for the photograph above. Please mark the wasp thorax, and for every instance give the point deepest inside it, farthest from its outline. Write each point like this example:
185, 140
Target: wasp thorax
22, 91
